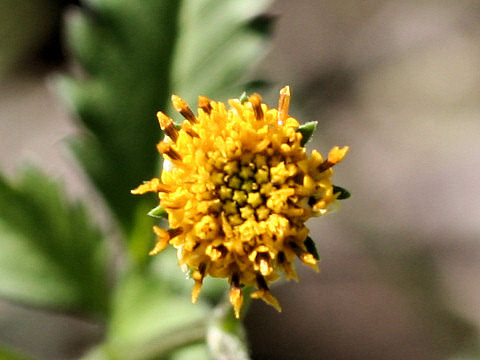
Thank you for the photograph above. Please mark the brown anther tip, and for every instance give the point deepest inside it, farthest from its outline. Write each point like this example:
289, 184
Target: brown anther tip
204, 104
167, 149
256, 101
174, 232
167, 125
182, 107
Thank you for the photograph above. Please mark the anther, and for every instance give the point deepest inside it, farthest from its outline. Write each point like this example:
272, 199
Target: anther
162, 240
304, 256
181, 106
334, 157
261, 283
153, 185
283, 104
167, 149
204, 104
256, 101
198, 276
167, 125
174, 232
235, 295
187, 127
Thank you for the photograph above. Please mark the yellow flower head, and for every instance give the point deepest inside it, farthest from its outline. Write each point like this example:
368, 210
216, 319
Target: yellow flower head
238, 187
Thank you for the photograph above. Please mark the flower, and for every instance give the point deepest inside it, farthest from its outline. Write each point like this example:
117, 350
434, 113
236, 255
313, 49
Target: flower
238, 187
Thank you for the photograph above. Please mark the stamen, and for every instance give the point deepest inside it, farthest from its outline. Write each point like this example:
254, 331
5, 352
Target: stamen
334, 157
204, 104
166, 124
162, 240
265, 294
153, 185
187, 127
256, 101
174, 232
167, 149
198, 276
181, 106
236, 296
304, 256
283, 104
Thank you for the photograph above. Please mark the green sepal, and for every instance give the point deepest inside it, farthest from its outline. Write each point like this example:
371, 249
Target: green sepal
344, 193
307, 130
243, 98
158, 212
311, 248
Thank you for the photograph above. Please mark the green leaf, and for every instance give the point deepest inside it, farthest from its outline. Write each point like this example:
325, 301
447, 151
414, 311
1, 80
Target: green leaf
307, 130
158, 212
149, 321
311, 247
52, 255
8, 354
219, 43
125, 51
344, 193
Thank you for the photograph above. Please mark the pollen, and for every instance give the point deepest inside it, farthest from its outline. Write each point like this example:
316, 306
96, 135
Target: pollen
238, 190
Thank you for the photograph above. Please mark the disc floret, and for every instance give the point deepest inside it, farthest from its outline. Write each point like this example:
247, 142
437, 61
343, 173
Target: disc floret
238, 187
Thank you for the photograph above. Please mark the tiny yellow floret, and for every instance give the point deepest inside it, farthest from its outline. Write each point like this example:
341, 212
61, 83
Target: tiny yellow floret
238, 189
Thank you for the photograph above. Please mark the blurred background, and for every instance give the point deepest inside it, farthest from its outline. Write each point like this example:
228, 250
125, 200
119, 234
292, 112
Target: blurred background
397, 81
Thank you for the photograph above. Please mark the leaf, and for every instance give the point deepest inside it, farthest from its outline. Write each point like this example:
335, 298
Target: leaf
7, 354
344, 193
197, 352
165, 266
219, 43
307, 130
124, 50
149, 321
226, 336
51, 253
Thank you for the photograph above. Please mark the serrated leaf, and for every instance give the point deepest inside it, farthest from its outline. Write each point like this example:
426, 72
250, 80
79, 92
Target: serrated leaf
344, 193
307, 131
52, 255
219, 45
125, 53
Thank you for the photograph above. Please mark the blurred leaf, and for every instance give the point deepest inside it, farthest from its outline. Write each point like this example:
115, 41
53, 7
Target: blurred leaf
307, 130
226, 336
149, 321
197, 352
51, 254
21, 38
165, 266
125, 50
7, 354
219, 41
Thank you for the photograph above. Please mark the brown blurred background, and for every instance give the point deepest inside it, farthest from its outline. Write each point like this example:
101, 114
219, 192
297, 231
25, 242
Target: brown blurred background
398, 81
